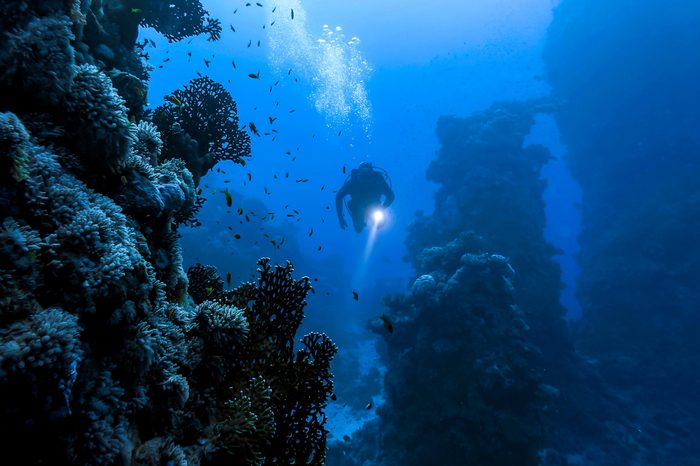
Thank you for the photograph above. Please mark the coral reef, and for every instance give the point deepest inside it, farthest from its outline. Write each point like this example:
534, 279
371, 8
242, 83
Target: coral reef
199, 124
463, 383
490, 183
633, 148
104, 358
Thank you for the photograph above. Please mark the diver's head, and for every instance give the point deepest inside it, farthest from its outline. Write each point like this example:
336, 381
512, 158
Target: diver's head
365, 166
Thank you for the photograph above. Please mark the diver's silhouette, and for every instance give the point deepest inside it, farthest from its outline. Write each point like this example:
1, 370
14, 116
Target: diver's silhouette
365, 185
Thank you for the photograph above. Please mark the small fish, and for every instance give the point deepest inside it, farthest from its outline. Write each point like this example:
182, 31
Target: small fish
274, 9
323, 186
153, 44
232, 28
209, 290
369, 406
387, 323
233, 62
206, 63
250, 42
311, 232
271, 119
259, 4
124, 180
339, 132
174, 100
136, 11
289, 72
254, 75
318, 248
302, 180
250, 177
258, 43
237, 236
293, 110
240, 211
292, 13
235, 11
333, 397
273, 22
228, 278
229, 198
344, 169
254, 129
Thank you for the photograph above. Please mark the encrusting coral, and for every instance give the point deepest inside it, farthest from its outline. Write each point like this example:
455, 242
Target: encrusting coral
103, 357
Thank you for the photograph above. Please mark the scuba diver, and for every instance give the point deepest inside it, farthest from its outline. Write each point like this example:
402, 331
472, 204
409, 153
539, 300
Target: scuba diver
365, 186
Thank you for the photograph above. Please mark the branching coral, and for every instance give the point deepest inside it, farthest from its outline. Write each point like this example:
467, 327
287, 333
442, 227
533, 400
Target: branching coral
300, 384
205, 283
199, 124
177, 19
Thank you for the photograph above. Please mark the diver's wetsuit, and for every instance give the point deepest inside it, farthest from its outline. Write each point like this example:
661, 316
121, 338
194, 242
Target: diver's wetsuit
365, 187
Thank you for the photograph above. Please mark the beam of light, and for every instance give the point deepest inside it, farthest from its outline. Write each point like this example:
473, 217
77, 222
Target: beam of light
371, 239
377, 219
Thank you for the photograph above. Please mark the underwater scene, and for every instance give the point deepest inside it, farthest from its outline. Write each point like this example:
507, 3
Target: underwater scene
350, 233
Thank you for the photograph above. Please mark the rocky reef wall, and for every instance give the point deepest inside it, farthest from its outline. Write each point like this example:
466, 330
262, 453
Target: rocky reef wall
627, 108
109, 352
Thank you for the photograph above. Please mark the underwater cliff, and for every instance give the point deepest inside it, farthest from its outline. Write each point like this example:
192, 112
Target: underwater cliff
109, 352
627, 109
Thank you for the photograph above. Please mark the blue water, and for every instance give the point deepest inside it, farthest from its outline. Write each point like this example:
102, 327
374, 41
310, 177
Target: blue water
412, 62
367, 81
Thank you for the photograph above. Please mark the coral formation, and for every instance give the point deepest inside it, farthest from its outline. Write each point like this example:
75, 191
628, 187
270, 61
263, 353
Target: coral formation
178, 19
463, 383
199, 124
490, 183
633, 148
103, 357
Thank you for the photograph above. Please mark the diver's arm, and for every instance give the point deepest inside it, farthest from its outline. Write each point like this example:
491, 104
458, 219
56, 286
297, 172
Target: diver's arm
388, 196
339, 197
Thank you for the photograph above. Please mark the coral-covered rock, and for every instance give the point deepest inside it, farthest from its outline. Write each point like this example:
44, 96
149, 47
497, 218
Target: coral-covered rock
463, 374
102, 358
